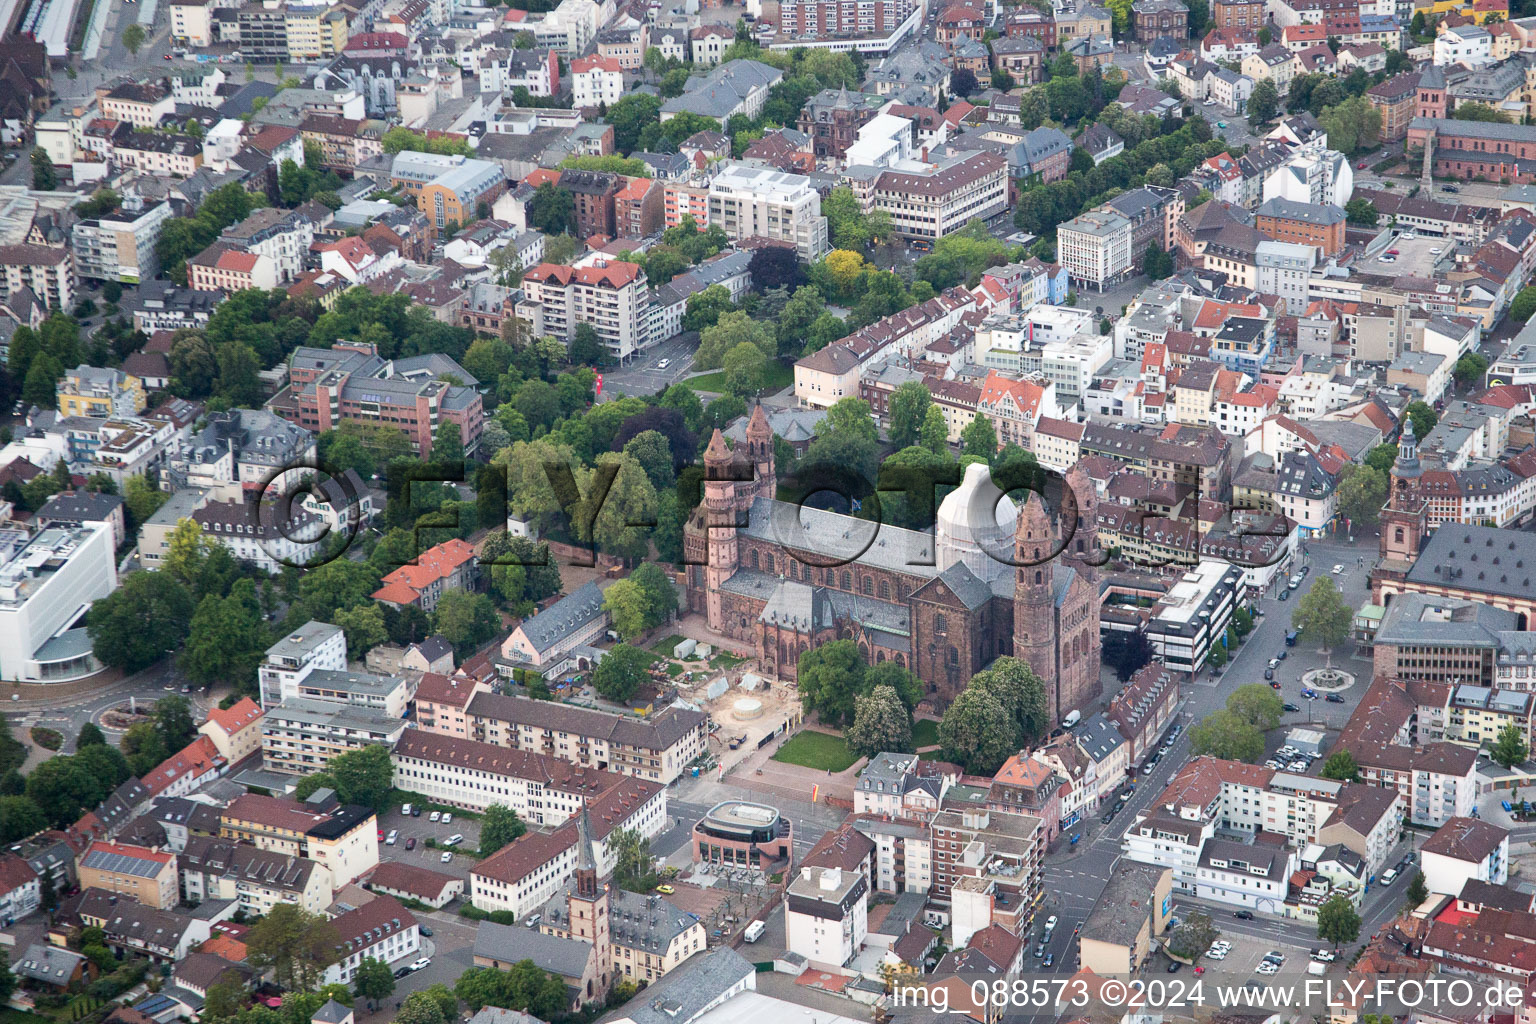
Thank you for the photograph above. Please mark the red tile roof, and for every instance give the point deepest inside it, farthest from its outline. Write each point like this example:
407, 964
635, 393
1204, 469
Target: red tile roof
433, 564
237, 716
196, 758
616, 274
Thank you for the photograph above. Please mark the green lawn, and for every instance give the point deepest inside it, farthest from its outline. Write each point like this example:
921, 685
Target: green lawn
777, 377
925, 733
816, 750
665, 646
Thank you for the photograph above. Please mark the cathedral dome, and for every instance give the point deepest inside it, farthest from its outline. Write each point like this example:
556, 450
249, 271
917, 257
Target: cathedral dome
975, 526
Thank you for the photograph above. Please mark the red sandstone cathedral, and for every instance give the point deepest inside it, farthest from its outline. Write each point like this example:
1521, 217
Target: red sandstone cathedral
982, 585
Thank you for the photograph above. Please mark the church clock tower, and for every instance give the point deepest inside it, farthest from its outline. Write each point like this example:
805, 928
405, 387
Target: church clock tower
1034, 605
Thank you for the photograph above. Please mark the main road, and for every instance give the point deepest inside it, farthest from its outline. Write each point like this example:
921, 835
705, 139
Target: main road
1075, 876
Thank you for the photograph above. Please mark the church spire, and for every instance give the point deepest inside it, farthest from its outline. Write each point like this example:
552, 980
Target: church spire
586, 868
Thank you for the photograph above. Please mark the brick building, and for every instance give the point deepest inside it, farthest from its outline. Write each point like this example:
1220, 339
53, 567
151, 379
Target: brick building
1285, 220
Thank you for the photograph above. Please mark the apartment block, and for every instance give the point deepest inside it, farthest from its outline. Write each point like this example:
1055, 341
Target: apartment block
448, 188
143, 875
301, 736
1095, 248
657, 748
93, 391
48, 272
120, 247
752, 201
610, 295
343, 837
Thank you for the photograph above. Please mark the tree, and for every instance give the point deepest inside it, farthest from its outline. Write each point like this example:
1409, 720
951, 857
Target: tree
1021, 693
552, 209
660, 593
364, 626
1362, 492
1382, 457
228, 637
1509, 748
625, 604
1193, 936
775, 267
622, 672
881, 722
935, 432
629, 116
364, 776
1479, 112
1418, 891
908, 405
1264, 104
1257, 705
499, 826
1352, 125
977, 732
373, 980
1227, 735
7, 978
19, 818
1341, 767
295, 944
962, 82
1323, 617
632, 860
90, 736
133, 37
140, 622
465, 620
746, 369
1470, 369
1337, 921
144, 747
523, 987
979, 438
830, 677
1523, 306
44, 177
1126, 652
1156, 263
173, 721
1362, 212
728, 332
1424, 418
421, 1008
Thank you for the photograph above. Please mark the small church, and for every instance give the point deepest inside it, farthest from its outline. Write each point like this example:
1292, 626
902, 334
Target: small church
991, 579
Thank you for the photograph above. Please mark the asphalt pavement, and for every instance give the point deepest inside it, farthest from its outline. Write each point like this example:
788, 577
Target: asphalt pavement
1075, 876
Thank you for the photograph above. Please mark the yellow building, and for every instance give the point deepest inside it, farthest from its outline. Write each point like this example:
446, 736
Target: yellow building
143, 875
315, 32
1478, 10
92, 391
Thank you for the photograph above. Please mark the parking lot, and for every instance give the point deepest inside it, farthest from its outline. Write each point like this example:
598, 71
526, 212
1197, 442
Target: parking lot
423, 828
1248, 951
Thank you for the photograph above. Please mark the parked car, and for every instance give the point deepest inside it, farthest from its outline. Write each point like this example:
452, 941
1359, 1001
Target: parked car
1040, 951
448, 818
1285, 595
1290, 707
421, 964
402, 972
453, 840
446, 857
434, 816
1175, 967
1334, 698
424, 930
410, 843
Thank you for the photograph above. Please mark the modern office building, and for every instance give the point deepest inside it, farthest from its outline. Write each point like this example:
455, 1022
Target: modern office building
47, 584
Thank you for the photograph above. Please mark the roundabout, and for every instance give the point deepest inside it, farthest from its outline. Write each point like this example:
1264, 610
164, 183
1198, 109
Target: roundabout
1328, 680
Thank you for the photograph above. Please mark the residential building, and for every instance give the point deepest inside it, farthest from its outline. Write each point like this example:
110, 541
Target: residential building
451, 565
407, 881
737, 87
1192, 617
235, 731
350, 381
120, 247
609, 295
92, 391
301, 736
930, 205
47, 271
1464, 850
143, 875
757, 201
257, 880
825, 920
381, 929
1096, 248
222, 267
341, 837
657, 748
596, 80
1130, 914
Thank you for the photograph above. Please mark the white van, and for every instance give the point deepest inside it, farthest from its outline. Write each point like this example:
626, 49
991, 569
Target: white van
394, 834
1072, 719
754, 931
1388, 876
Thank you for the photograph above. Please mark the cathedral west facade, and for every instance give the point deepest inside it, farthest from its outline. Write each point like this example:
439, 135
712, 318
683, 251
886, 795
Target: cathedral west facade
988, 581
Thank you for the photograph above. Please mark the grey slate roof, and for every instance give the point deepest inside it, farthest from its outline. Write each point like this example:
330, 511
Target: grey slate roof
718, 93
48, 964
636, 921
686, 992
1479, 559
548, 628
512, 944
